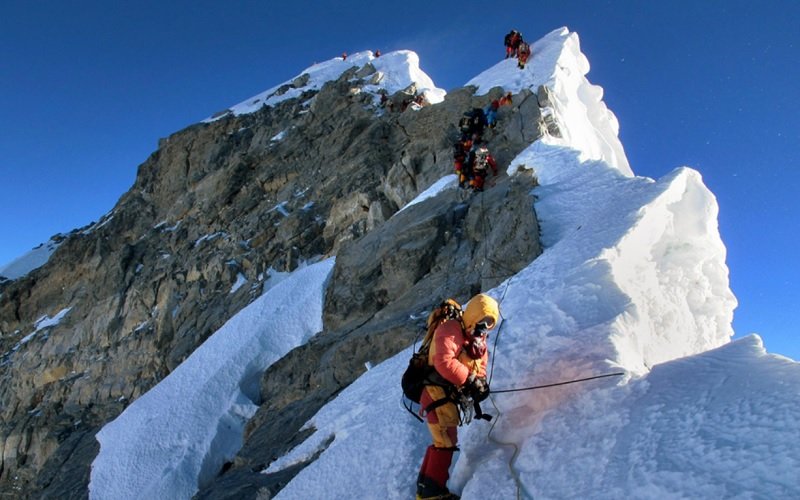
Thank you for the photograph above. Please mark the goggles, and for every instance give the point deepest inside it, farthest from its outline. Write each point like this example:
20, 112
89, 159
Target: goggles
482, 327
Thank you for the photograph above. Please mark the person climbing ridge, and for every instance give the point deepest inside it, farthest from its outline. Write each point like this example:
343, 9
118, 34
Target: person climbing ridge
461, 150
490, 112
472, 123
523, 54
511, 41
480, 160
458, 353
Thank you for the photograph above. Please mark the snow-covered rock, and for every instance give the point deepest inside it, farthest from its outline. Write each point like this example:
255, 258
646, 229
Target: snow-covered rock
394, 71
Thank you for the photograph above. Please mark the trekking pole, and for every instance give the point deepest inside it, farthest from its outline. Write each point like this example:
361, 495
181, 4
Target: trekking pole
492, 391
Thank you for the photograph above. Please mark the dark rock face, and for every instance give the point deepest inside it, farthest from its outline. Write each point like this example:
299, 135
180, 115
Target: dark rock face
239, 198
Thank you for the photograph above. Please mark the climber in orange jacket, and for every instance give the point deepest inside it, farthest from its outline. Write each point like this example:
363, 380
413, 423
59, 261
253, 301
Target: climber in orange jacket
459, 355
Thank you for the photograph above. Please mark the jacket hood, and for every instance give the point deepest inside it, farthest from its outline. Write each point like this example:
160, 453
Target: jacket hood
479, 307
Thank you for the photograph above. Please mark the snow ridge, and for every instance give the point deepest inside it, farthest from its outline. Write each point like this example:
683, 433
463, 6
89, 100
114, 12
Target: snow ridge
585, 123
395, 71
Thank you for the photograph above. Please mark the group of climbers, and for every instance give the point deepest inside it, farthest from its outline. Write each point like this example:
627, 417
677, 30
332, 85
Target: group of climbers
472, 161
447, 377
517, 47
454, 355
471, 157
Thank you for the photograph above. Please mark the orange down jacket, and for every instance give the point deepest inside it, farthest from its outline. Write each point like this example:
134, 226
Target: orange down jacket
447, 355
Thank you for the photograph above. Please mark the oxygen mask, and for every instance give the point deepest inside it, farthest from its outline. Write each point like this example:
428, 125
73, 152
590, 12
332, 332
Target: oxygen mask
482, 329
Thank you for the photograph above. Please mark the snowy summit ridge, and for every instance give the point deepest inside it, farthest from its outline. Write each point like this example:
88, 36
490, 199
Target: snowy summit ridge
395, 71
633, 278
558, 64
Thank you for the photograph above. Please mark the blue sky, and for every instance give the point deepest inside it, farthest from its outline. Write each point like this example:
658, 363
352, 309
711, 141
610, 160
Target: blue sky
87, 88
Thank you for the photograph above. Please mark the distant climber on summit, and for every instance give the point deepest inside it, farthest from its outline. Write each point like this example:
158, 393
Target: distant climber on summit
523, 54
511, 41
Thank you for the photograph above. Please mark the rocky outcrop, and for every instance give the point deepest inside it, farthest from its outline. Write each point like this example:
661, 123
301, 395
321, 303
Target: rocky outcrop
229, 202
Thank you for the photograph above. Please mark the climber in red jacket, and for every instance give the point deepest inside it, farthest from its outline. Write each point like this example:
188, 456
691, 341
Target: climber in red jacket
511, 41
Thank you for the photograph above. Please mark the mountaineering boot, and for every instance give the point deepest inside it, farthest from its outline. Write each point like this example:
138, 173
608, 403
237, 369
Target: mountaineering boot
427, 489
433, 476
446, 496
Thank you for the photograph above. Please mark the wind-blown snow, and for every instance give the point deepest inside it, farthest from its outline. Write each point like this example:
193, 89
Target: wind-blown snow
395, 71
179, 433
632, 278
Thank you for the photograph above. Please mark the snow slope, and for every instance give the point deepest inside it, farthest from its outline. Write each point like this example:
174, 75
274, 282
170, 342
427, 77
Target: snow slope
721, 424
34, 259
180, 433
632, 278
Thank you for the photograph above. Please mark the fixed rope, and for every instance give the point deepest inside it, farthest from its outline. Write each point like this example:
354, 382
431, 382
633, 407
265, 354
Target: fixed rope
533, 388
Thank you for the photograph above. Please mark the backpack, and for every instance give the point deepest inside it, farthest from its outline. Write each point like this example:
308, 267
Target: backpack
481, 159
465, 124
416, 376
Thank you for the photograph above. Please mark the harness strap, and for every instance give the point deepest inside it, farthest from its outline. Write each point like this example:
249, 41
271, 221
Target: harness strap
436, 404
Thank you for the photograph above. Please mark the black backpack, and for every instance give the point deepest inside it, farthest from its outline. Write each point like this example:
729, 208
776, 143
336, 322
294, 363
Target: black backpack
465, 124
414, 377
418, 373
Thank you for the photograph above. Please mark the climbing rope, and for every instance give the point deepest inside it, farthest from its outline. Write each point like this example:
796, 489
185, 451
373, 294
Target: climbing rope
533, 388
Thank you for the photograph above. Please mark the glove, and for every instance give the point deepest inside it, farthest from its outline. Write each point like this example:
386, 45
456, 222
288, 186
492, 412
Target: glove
476, 387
